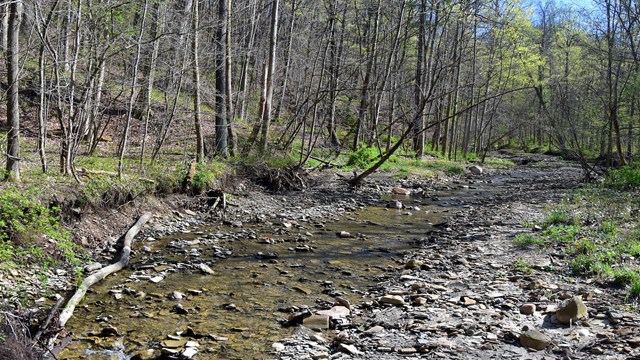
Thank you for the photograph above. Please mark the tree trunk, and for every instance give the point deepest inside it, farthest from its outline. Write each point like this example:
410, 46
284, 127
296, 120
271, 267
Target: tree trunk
222, 148
132, 94
228, 79
195, 24
13, 100
266, 114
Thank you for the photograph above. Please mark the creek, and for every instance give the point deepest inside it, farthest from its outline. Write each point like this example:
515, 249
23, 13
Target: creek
262, 272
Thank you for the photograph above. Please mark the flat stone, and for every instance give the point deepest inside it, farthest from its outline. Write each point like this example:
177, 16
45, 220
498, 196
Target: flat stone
634, 342
348, 349
392, 299
205, 269
572, 310
189, 353
172, 344
528, 309
322, 355
336, 312
278, 346
316, 322
156, 279
468, 301
409, 350
302, 290
534, 339
400, 191
374, 330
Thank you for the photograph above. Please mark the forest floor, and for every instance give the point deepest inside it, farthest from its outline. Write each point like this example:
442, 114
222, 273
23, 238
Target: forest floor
466, 289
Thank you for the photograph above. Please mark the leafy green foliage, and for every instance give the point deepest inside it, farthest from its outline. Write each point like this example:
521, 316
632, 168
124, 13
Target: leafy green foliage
624, 277
22, 219
527, 239
522, 266
26, 224
625, 177
363, 157
557, 216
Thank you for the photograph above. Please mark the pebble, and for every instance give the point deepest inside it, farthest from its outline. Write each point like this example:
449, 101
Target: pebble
392, 299
534, 339
528, 309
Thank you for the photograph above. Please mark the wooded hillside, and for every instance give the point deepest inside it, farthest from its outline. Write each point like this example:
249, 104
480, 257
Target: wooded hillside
233, 77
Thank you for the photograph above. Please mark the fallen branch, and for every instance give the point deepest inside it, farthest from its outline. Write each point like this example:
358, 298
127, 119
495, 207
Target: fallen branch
45, 325
67, 312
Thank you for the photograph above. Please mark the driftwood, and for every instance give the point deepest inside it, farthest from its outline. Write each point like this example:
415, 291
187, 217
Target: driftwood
67, 312
46, 323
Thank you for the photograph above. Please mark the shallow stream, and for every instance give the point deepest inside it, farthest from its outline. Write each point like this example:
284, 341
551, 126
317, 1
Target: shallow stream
262, 273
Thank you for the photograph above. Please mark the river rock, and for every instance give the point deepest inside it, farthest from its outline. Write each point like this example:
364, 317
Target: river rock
392, 299
412, 264
316, 322
172, 344
374, 330
534, 339
344, 234
205, 269
475, 170
572, 310
335, 312
528, 309
189, 352
348, 349
634, 342
278, 346
400, 191
395, 204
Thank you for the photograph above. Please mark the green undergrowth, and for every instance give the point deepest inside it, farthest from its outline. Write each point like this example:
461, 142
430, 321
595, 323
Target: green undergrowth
598, 230
31, 234
404, 163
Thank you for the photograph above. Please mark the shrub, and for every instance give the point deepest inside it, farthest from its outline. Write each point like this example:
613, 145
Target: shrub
624, 277
627, 176
363, 157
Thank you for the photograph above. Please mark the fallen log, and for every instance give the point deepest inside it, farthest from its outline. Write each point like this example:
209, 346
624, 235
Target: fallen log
67, 312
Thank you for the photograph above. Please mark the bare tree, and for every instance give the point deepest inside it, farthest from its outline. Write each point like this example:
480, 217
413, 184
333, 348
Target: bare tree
13, 100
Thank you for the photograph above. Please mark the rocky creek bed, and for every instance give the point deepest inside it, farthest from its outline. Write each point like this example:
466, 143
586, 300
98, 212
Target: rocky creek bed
332, 272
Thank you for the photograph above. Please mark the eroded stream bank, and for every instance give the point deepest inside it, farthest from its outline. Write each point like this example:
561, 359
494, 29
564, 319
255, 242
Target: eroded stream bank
445, 264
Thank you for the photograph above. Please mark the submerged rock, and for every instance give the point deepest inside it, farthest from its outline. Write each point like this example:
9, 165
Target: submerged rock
317, 322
